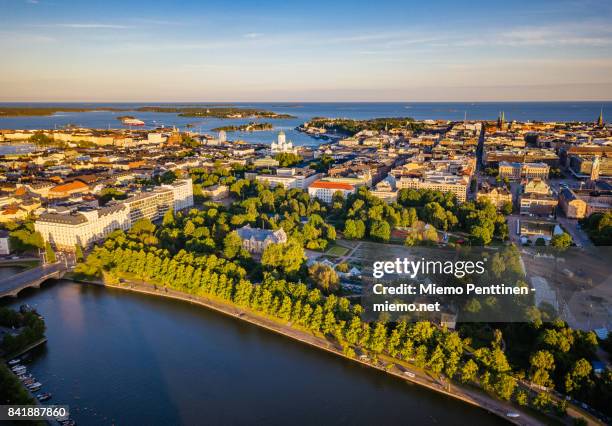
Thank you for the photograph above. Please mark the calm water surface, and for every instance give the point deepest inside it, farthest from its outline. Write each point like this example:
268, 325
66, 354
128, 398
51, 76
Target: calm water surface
522, 111
123, 358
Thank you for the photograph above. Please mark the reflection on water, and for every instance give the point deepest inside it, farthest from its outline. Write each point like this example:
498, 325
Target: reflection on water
120, 357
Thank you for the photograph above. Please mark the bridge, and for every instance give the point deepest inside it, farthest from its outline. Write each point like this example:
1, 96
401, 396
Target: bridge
34, 277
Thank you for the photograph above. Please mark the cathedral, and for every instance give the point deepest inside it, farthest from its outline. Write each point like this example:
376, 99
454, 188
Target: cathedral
281, 145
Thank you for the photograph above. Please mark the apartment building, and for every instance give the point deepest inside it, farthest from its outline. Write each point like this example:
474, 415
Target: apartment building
443, 182
85, 225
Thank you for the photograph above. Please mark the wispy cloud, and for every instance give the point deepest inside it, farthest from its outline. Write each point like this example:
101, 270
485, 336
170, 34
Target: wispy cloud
32, 1
90, 26
253, 35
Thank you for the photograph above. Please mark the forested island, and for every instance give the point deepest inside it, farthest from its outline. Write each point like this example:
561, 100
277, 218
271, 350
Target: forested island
45, 111
250, 127
350, 127
216, 112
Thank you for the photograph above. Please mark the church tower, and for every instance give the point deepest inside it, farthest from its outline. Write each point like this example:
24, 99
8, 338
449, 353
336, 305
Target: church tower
600, 120
595, 169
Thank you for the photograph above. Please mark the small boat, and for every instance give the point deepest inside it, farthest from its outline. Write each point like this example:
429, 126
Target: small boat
19, 370
68, 422
29, 381
14, 361
62, 419
34, 386
24, 377
513, 415
44, 396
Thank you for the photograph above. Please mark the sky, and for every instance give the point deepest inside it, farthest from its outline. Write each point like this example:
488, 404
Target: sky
404, 50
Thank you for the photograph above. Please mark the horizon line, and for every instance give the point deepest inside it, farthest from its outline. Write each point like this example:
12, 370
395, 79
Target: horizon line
307, 102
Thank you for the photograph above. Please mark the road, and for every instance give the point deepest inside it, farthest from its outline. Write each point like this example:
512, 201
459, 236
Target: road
578, 235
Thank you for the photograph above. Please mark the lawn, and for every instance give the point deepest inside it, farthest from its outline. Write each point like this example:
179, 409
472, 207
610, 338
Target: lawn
337, 251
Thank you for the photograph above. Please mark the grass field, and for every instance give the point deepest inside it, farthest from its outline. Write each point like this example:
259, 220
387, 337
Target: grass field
337, 251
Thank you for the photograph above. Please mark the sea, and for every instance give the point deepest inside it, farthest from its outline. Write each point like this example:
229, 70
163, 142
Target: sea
304, 111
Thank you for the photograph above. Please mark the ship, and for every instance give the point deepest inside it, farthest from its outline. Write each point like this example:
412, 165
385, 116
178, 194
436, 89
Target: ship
132, 121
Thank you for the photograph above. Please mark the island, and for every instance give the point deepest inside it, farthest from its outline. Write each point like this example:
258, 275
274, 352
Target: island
250, 127
215, 112
45, 111
350, 127
183, 111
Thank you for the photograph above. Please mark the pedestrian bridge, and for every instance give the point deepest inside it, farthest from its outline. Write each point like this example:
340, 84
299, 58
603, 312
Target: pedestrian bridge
11, 286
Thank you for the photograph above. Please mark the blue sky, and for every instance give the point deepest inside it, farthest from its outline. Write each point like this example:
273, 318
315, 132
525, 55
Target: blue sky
55, 50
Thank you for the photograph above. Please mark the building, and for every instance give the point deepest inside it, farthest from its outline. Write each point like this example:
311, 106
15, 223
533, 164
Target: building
67, 189
265, 162
385, 191
5, 244
182, 193
81, 227
594, 167
85, 225
537, 199
516, 171
216, 192
443, 182
325, 191
581, 203
290, 178
255, 240
282, 145
498, 196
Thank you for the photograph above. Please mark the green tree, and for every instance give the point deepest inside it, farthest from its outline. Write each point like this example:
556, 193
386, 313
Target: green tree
354, 229
469, 371
232, 244
380, 230
78, 253
49, 253
287, 256
324, 277
506, 208
561, 241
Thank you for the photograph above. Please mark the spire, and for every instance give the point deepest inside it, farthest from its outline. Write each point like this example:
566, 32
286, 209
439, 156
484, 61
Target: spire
600, 121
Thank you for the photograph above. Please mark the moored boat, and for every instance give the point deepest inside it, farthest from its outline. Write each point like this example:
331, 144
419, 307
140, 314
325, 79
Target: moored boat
44, 396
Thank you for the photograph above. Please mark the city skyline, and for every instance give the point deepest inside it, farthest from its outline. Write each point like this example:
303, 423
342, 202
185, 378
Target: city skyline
389, 51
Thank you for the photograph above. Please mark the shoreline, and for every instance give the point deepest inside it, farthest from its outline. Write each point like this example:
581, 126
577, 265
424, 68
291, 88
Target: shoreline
473, 398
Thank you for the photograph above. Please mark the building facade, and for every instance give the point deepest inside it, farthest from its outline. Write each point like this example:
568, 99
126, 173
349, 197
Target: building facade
255, 240
325, 191
86, 225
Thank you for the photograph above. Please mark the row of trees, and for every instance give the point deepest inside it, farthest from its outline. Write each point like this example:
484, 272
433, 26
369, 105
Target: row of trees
427, 346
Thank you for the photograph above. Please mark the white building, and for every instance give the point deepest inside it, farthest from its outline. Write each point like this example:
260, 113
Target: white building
5, 247
182, 193
325, 191
281, 145
85, 226
290, 178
